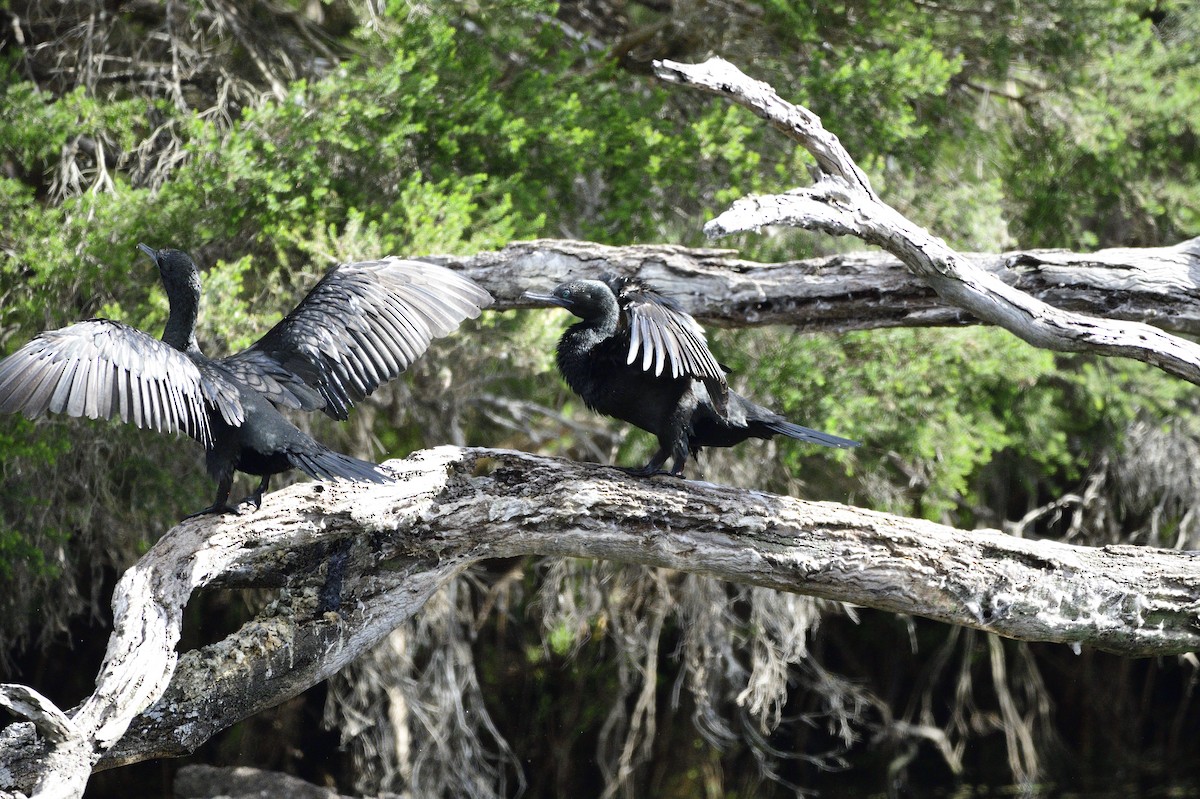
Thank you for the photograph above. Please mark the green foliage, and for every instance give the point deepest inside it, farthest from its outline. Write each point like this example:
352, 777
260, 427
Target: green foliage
937, 409
1110, 158
877, 72
21, 552
1083, 113
35, 126
895, 81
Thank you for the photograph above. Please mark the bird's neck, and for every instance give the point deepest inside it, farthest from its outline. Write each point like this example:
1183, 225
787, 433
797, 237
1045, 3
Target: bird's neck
180, 331
575, 350
584, 335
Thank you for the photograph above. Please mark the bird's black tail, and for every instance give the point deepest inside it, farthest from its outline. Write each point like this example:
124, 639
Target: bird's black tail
327, 465
808, 434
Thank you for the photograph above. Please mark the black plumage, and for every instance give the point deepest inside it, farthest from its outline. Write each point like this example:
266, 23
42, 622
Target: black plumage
360, 326
638, 356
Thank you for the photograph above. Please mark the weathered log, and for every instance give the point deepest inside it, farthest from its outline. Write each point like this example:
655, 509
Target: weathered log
854, 291
455, 507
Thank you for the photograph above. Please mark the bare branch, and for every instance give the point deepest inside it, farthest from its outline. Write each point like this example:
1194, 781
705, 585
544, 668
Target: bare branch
795, 121
855, 291
455, 507
49, 721
841, 203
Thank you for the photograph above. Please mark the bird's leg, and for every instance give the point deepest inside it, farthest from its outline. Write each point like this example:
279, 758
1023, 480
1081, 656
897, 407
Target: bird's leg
665, 450
257, 496
681, 455
653, 467
221, 505
681, 459
677, 441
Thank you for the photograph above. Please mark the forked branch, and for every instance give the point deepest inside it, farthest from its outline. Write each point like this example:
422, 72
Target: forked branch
842, 203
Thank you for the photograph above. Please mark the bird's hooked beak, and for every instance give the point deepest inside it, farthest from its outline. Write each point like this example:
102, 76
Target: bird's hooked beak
146, 248
545, 299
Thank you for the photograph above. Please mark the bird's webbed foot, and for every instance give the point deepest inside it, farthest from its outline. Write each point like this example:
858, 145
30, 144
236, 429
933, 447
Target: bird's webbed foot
670, 446
216, 507
221, 503
254, 499
655, 467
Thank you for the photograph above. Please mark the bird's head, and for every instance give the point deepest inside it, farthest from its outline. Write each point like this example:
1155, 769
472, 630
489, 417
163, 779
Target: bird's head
179, 274
588, 299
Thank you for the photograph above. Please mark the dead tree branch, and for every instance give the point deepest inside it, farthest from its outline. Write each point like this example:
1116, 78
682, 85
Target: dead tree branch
455, 507
842, 203
856, 291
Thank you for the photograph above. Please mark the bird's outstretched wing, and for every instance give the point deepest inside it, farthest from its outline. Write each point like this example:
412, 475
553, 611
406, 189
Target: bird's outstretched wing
361, 326
664, 334
104, 370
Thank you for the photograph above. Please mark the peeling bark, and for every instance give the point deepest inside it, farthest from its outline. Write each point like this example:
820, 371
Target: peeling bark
455, 507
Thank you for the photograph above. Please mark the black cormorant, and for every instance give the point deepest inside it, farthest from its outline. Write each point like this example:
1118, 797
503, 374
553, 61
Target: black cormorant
360, 326
638, 356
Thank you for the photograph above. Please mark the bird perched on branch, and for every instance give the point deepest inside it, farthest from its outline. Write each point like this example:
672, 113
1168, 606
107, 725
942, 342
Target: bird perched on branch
638, 356
360, 326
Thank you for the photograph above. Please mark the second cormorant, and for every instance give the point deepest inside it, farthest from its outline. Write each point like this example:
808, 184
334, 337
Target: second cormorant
638, 356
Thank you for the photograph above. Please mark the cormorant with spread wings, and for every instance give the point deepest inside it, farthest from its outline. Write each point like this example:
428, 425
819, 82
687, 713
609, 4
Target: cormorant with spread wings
360, 326
638, 356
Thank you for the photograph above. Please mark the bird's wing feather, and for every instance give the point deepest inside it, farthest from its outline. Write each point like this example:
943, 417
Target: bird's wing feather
260, 372
666, 335
104, 370
361, 326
